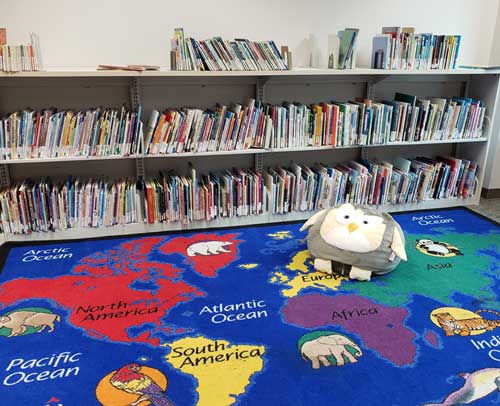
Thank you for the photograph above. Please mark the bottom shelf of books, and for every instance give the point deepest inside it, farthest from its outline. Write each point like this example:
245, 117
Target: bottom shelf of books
75, 208
265, 218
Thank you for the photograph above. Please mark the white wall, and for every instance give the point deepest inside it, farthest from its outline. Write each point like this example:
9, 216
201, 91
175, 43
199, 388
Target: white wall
492, 175
77, 34
495, 43
86, 33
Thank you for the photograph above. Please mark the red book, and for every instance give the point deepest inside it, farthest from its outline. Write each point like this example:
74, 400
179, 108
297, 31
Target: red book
377, 187
3, 36
150, 203
260, 129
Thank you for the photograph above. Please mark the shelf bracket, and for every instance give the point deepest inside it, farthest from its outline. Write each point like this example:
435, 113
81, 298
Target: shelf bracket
259, 162
260, 96
363, 153
4, 175
379, 78
135, 92
260, 88
135, 103
466, 87
140, 168
370, 89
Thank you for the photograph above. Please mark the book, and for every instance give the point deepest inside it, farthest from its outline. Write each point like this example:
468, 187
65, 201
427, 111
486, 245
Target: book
347, 48
381, 52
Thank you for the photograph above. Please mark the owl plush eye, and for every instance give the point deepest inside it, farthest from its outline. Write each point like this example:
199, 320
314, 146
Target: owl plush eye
345, 216
371, 220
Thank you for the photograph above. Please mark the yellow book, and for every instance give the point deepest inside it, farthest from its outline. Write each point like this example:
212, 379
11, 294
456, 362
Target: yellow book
104, 128
318, 123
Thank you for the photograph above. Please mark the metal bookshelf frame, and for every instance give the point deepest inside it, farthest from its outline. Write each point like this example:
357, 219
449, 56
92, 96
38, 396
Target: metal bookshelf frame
480, 84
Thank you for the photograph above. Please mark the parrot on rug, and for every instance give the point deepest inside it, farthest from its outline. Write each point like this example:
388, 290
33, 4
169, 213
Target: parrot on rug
131, 380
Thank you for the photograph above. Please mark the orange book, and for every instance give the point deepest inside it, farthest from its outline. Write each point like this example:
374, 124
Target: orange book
158, 130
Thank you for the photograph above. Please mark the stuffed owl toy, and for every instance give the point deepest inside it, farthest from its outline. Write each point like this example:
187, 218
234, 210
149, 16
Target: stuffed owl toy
355, 241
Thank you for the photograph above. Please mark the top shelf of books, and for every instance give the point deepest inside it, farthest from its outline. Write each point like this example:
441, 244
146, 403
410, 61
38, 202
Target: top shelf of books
88, 72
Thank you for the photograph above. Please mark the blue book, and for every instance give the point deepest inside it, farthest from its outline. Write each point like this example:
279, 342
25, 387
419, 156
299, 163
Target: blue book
381, 46
458, 40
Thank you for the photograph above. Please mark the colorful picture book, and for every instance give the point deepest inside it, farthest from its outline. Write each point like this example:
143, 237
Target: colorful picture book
402, 48
218, 54
43, 205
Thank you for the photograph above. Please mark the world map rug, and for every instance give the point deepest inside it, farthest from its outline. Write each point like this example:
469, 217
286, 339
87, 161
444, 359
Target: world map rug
239, 316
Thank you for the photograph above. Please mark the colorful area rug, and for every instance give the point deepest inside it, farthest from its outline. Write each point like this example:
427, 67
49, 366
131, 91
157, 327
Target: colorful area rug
239, 317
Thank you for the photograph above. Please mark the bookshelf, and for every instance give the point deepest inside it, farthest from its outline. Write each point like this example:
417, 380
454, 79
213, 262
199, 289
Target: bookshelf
83, 88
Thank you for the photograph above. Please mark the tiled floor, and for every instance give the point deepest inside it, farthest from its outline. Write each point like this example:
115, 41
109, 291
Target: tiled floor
489, 207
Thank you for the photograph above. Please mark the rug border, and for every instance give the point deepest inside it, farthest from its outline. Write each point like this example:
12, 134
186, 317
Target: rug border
8, 245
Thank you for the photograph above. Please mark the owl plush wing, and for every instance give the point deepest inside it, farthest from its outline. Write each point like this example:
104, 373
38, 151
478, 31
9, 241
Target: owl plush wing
398, 243
312, 220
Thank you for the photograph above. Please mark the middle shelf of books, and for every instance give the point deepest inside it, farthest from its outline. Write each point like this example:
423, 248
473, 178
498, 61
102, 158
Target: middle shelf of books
400, 143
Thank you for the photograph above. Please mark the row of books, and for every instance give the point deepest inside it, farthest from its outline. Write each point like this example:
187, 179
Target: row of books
229, 193
413, 119
20, 58
359, 122
402, 48
50, 133
218, 54
399, 181
32, 206
47, 206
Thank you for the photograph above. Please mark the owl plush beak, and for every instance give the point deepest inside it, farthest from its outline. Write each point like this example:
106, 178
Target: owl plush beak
352, 227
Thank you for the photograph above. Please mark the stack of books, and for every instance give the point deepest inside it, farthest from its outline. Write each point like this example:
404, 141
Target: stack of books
401, 48
20, 58
217, 54
400, 181
46, 206
230, 193
294, 125
51, 133
415, 119
43, 205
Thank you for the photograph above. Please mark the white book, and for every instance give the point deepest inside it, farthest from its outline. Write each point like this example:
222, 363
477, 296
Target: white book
35, 42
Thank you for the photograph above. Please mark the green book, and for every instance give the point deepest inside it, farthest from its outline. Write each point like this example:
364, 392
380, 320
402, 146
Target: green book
347, 47
407, 98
